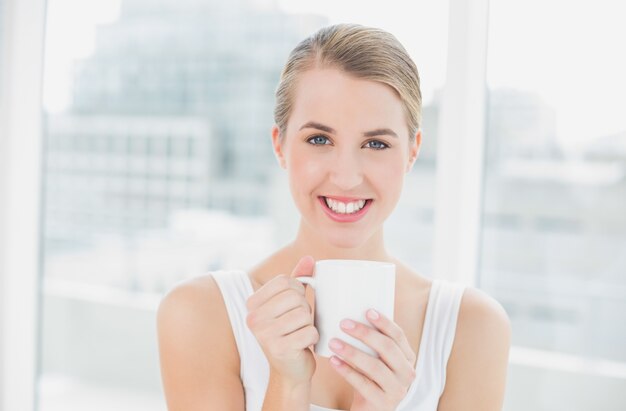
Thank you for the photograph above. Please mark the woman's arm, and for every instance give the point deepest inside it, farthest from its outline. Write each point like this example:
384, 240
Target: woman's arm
477, 368
199, 359
281, 395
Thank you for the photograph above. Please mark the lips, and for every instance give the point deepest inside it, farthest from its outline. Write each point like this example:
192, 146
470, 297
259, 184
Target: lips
346, 199
345, 218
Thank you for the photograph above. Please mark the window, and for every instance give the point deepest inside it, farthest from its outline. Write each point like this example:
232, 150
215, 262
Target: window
554, 226
161, 108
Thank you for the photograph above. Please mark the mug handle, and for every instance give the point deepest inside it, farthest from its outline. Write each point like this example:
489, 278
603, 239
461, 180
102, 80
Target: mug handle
306, 280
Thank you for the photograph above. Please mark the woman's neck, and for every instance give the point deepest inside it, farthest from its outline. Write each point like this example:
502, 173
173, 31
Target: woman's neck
308, 242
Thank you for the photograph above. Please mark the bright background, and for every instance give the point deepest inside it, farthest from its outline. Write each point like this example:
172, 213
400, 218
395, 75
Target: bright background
157, 167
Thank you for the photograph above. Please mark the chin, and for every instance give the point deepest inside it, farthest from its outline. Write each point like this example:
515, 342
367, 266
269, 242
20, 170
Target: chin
340, 240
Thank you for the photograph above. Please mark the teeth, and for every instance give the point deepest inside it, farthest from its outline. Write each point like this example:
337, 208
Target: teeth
343, 208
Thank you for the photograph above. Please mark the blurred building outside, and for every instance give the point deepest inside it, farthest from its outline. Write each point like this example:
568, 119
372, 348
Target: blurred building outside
163, 162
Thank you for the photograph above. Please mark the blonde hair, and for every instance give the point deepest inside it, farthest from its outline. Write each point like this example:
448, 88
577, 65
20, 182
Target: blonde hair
364, 52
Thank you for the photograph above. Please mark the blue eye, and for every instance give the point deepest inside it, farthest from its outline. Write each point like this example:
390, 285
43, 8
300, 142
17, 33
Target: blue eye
320, 140
317, 138
382, 145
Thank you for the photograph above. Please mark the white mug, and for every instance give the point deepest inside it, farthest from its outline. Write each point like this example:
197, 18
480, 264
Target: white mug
347, 289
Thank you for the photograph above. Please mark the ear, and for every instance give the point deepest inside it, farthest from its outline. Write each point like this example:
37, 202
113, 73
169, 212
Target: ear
414, 150
277, 144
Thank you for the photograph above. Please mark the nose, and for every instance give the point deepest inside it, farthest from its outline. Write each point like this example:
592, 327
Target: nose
346, 171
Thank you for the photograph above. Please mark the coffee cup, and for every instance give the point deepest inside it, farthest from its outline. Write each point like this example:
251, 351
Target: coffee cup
346, 289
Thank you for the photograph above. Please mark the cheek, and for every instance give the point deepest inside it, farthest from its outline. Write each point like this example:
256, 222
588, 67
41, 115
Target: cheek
384, 174
311, 168
304, 171
390, 169
389, 177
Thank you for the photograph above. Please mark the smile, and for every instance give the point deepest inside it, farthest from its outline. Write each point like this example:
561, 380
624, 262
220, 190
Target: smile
345, 212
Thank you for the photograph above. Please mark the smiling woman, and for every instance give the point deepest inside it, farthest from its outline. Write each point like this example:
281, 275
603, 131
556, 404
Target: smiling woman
349, 108
347, 131
147, 142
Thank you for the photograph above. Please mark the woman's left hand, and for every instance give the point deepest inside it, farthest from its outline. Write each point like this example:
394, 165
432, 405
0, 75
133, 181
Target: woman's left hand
379, 383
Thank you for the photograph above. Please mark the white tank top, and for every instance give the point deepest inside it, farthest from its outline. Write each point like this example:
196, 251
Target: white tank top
435, 346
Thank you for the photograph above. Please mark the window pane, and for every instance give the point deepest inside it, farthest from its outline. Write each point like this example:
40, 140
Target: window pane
159, 167
554, 226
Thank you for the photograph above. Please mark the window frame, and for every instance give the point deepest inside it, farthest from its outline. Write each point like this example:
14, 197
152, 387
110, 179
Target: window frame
460, 145
21, 76
460, 177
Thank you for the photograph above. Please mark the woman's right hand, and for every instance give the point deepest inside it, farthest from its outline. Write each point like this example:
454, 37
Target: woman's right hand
281, 319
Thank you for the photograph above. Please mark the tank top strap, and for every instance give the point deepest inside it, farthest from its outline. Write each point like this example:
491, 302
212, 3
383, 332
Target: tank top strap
236, 288
440, 328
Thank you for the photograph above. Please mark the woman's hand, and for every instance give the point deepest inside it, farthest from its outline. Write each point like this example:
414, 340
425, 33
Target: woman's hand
379, 383
281, 319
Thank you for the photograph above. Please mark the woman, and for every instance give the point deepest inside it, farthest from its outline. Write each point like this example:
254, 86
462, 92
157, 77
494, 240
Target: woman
347, 131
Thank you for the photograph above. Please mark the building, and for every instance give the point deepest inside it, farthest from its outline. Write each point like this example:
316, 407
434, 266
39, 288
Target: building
117, 174
172, 110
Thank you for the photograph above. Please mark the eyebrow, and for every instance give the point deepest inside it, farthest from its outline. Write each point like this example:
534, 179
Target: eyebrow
372, 133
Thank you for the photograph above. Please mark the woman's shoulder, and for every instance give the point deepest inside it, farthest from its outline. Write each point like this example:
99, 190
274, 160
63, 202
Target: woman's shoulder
479, 354
195, 308
190, 294
196, 298
481, 315
482, 325
197, 350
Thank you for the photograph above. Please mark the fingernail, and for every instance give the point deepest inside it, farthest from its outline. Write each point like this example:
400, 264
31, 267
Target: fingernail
335, 360
336, 344
347, 324
373, 314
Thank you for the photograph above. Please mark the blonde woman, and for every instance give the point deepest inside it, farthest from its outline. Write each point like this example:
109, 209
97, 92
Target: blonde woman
347, 131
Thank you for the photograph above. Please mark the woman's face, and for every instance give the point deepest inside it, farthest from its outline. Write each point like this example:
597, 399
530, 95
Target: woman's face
346, 138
